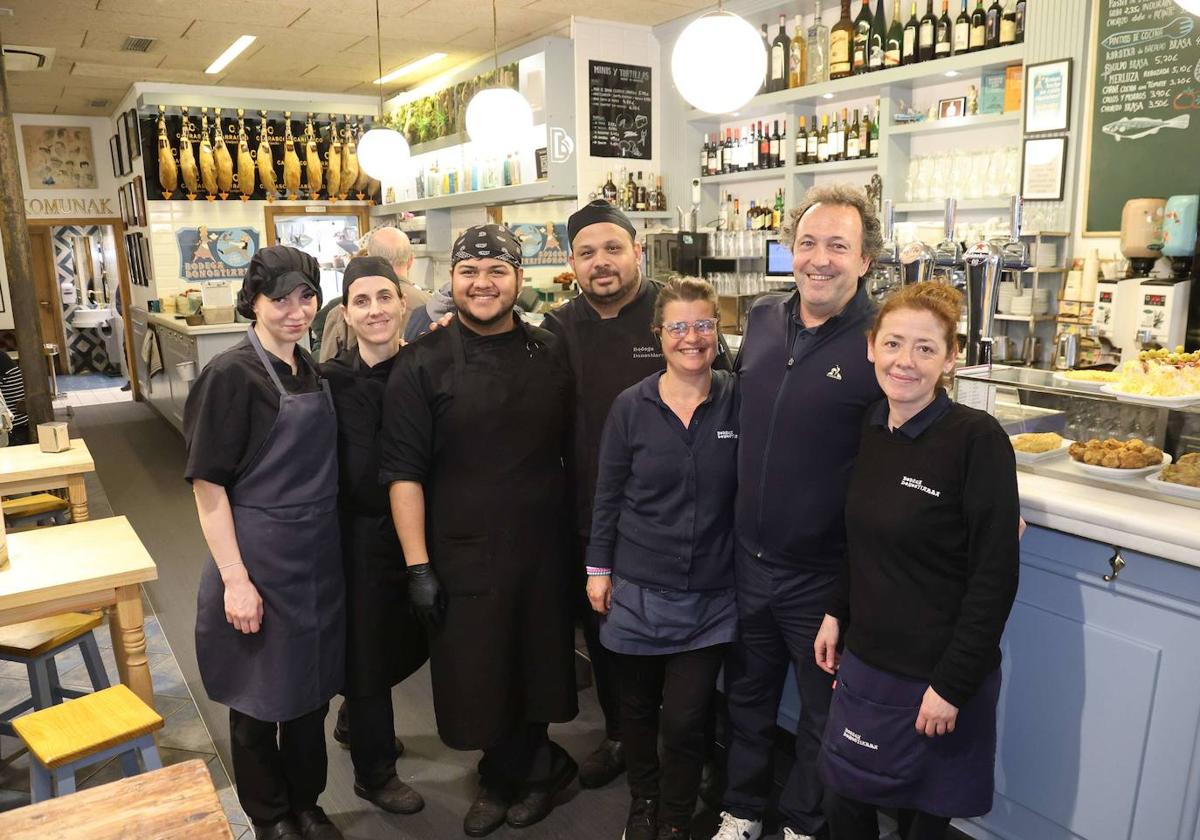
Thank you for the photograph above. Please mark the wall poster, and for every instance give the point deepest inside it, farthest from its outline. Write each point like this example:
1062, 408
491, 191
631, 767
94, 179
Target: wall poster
542, 244
59, 157
619, 109
215, 253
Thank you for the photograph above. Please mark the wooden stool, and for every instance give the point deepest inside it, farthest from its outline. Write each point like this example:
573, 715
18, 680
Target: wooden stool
34, 644
31, 510
112, 722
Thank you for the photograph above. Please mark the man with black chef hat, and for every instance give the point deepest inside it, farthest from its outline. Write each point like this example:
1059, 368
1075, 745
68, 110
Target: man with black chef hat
476, 417
610, 346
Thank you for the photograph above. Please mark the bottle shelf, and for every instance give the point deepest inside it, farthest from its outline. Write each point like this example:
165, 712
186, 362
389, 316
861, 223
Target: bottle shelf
856, 165
749, 175
955, 124
520, 193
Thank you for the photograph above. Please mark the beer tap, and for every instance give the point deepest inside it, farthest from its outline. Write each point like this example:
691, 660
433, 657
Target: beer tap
949, 253
1016, 252
884, 275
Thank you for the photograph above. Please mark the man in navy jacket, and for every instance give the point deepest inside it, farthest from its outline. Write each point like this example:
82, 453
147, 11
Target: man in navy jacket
805, 385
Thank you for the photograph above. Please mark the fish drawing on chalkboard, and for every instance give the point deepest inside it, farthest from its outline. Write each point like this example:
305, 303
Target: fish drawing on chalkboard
1178, 28
1128, 128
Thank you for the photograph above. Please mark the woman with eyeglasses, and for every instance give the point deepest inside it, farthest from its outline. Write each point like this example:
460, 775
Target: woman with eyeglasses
660, 558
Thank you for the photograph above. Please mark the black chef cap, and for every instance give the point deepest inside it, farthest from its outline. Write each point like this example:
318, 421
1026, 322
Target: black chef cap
595, 213
275, 271
487, 242
367, 267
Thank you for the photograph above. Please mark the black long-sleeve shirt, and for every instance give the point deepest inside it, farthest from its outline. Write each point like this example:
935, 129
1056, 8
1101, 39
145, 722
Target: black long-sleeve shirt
931, 524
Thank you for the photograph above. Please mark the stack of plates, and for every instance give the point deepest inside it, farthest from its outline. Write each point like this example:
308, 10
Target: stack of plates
1007, 292
1031, 303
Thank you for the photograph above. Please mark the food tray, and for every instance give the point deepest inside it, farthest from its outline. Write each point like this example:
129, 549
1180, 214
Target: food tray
1170, 488
1164, 402
1118, 473
1038, 457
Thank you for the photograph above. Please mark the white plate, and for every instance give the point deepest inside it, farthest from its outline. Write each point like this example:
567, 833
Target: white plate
1184, 491
1079, 384
1036, 457
1165, 402
1116, 472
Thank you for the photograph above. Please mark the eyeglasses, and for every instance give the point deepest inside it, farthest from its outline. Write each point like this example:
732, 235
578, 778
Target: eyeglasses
680, 329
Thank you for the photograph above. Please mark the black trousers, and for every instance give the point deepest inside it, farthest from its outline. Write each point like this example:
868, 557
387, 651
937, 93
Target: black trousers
850, 819
681, 685
524, 757
372, 738
279, 768
604, 672
779, 613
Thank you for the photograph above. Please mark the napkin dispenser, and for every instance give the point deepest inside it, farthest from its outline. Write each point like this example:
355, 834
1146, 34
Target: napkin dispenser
53, 437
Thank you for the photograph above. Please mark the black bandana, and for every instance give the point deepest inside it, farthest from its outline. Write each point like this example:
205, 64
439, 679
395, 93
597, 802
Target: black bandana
487, 242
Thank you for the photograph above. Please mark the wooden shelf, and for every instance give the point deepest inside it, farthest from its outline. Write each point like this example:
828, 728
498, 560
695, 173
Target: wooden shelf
955, 124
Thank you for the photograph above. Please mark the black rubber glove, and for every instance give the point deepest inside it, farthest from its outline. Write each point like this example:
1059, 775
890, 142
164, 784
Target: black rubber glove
426, 594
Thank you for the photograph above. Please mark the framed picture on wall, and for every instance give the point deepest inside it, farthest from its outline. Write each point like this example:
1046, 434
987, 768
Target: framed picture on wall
124, 205
139, 201
1048, 96
131, 259
114, 149
133, 133
144, 253
1043, 169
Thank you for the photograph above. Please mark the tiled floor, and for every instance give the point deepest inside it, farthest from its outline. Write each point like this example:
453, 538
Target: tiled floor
88, 381
92, 396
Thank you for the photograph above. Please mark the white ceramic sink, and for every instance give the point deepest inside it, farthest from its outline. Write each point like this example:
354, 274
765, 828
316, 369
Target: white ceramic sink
84, 319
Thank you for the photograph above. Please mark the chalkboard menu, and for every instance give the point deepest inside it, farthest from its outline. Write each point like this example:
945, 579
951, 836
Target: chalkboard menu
1145, 116
619, 106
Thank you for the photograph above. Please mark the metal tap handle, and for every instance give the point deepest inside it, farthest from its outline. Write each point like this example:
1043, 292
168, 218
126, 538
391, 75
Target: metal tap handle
1015, 208
889, 219
1117, 562
951, 217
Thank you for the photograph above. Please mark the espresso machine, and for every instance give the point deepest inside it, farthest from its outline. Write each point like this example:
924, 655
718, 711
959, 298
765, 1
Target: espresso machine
1152, 309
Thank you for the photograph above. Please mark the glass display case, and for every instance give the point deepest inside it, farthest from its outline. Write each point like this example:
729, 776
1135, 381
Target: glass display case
1031, 401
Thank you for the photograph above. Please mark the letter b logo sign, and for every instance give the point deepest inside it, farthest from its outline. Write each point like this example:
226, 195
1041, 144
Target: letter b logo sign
561, 145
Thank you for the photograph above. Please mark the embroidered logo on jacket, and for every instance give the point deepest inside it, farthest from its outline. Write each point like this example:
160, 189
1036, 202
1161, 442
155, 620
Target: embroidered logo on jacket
647, 352
726, 434
854, 738
919, 484
835, 372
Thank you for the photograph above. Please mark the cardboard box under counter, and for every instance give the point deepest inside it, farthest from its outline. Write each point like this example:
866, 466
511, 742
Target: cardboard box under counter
53, 437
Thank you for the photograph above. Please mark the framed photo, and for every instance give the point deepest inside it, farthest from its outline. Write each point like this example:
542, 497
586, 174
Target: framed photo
1048, 96
131, 251
133, 133
114, 149
124, 205
950, 108
1043, 169
144, 255
139, 201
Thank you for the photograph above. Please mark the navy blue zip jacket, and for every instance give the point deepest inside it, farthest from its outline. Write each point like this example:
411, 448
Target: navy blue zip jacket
802, 407
664, 497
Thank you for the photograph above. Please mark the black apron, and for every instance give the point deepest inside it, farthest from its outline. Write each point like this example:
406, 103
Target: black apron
285, 519
497, 537
385, 641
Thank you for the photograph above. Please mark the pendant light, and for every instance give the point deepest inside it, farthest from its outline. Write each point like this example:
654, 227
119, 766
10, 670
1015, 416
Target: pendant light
718, 87
498, 118
382, 152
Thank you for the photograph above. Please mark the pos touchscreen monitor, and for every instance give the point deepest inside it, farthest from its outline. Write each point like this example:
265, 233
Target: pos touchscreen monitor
779, 259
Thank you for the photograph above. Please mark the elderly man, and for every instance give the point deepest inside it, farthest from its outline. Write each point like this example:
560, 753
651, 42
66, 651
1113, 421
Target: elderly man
476, 423
805, 385
392, 245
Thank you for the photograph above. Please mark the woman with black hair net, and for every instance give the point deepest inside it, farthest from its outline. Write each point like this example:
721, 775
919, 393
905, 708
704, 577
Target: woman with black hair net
270, 619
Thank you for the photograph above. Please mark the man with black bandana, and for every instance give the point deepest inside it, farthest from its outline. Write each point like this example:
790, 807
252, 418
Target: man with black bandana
476, 418
610, 346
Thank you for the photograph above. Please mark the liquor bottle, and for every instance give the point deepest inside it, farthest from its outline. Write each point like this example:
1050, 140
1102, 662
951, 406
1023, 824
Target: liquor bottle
861, 44
765, 160
767, 52
908, 52
660, 197
642, 202
836, 138
723, 213
714, 156
797, 55
875, 132
814, 142
630, 196
994, 13
1020, 14
776, 146
728, 162
895, 38
864, 135
823, 140
878, 38
782, 145
818, 48
1008, 27
925, 33
777, 218
943, 35
802, 142
610, 190
704, 157
853, 145
781, 50
737, 221
843, 135
841, 38
978, 28
962, 31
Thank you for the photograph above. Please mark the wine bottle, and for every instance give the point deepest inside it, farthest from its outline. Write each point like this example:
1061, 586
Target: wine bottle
978, 27
962, 31
878, 38
908, 53
1020, 13
841, 38
864, 135
926, 32
704, 157
834, 151
813, 143
777, 219
798, 57
943, 35
895, 38
782, 144
853, 146
610, 190
781, 49
818, 48
802, 142
1008, 27
766, 39
714, 156
842, 136
765, 161
776, 146
823, 140
875, 132
660, 197
727, 164
994, 13
641, 202
861, 45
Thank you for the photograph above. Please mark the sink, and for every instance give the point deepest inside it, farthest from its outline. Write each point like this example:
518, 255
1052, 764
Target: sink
84, 319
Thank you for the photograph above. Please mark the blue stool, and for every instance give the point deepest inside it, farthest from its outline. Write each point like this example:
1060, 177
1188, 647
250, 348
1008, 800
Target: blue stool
34, 644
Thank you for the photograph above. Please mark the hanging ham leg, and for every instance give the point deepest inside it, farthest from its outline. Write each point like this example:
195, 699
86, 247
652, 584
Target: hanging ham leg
223, 160
168, 174
245, 163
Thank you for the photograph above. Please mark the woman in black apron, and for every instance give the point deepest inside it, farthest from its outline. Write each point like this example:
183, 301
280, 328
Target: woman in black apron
932, 528
270, 618
384, 640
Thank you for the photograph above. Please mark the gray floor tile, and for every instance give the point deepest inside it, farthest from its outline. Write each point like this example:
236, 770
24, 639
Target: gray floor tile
12, 691
184, 730
78, 677
167, 678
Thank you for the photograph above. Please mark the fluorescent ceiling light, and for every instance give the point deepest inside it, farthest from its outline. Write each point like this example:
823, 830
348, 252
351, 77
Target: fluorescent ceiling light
235, 49
410, 67
951, 73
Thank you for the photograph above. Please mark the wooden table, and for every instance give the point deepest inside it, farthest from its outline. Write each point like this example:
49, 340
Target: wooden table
174, 803
27, 469
79, 567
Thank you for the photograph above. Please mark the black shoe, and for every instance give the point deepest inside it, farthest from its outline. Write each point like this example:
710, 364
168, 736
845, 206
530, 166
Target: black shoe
282, 829
393, 796
712, 786
314, 825
642, 823
487, 812
605, 763
538, 800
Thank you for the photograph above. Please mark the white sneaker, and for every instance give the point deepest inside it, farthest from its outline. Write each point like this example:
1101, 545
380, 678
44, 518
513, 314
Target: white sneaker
788, 834
732, 828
